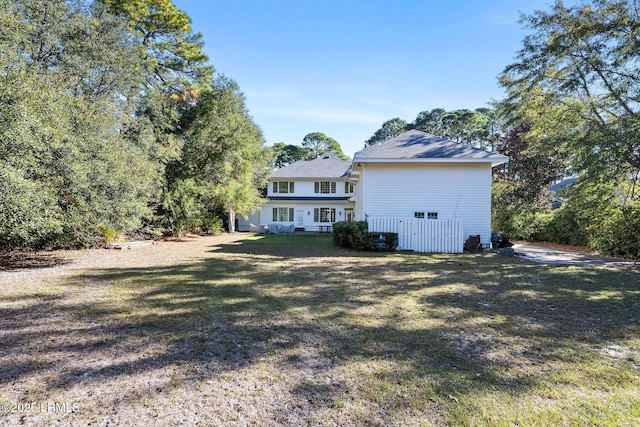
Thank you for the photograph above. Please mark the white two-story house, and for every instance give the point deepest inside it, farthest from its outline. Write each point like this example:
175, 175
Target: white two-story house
424, 187
310, 195
421, 176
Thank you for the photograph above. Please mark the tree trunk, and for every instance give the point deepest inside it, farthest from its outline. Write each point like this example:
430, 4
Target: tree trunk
232, 221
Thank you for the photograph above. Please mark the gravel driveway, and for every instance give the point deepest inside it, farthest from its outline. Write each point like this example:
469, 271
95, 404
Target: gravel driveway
546, 255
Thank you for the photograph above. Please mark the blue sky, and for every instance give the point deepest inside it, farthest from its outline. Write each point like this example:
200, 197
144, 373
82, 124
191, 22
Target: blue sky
345, 67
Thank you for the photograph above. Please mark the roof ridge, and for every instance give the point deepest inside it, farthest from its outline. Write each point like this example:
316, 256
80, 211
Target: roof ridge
315, 168
416, 144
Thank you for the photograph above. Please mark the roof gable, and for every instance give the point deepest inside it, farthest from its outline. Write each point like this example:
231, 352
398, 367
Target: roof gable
322, 167
415, 145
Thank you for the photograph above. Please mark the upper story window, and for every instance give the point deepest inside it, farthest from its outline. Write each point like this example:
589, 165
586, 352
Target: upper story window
348, 187
432, 215
419, 215
324, 187
283, 187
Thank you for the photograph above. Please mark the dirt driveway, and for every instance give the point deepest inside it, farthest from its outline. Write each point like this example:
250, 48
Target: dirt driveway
552, 255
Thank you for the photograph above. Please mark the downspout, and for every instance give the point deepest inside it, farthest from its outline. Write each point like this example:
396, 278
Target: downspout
364, 194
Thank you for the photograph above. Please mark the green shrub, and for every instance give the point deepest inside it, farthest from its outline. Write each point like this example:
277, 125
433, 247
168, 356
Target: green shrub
109, 234
355, 235
521, 223
565, 227
212, 225
382, 241
350, 234
617, 233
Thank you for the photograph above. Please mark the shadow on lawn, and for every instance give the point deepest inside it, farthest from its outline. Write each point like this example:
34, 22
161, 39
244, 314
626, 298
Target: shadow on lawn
453, 323
23, 260
288, 245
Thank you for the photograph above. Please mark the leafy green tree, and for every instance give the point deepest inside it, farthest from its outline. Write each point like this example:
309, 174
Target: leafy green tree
475, 128
175, 71
494, 127
173, 53
285, 154
520, 186
182, 205
431, 122
588, 53
69, 75
575, 82
318, 144
390, 129
109, 114
464, 126
223, 150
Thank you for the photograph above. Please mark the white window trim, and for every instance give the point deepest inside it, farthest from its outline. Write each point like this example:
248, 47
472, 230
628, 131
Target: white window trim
279, 212
283, 187
349, 187
317, 215
329, 186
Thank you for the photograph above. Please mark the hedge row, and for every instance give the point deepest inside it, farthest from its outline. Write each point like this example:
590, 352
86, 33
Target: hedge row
356, 235
613, 232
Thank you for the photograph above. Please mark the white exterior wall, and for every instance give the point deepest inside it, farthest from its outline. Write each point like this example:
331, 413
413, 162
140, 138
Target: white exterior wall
243, 224
360, 195
454, 190
303, 209
305, 188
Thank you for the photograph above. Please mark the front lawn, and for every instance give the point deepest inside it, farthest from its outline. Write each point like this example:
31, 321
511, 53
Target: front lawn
289, 330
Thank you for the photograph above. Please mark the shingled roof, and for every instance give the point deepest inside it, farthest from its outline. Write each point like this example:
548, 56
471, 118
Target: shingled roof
415, 145
322, 167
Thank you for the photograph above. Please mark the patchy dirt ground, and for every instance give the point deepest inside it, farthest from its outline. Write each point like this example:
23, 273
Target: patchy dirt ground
63, 364
223, 331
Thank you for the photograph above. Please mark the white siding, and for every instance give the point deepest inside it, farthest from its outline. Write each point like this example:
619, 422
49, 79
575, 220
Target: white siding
453, 190
243, 224
305, 188
306, 208
359, 212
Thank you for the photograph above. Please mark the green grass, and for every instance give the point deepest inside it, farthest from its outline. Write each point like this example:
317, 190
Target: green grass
312, 334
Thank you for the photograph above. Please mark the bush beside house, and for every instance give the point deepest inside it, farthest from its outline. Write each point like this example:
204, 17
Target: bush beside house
356, 235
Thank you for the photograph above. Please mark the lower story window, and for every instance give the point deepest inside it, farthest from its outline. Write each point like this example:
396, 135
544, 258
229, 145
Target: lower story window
348, 214
283, 214
324, 215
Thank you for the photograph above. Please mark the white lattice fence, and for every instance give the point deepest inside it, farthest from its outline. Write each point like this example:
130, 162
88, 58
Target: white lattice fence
423, 235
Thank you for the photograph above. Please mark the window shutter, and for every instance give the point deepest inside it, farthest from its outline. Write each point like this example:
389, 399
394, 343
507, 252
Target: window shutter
275, 214
290, 214
316, 187
291, 187
333, 215
316, 215
346, 188
333, 187
275, 186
